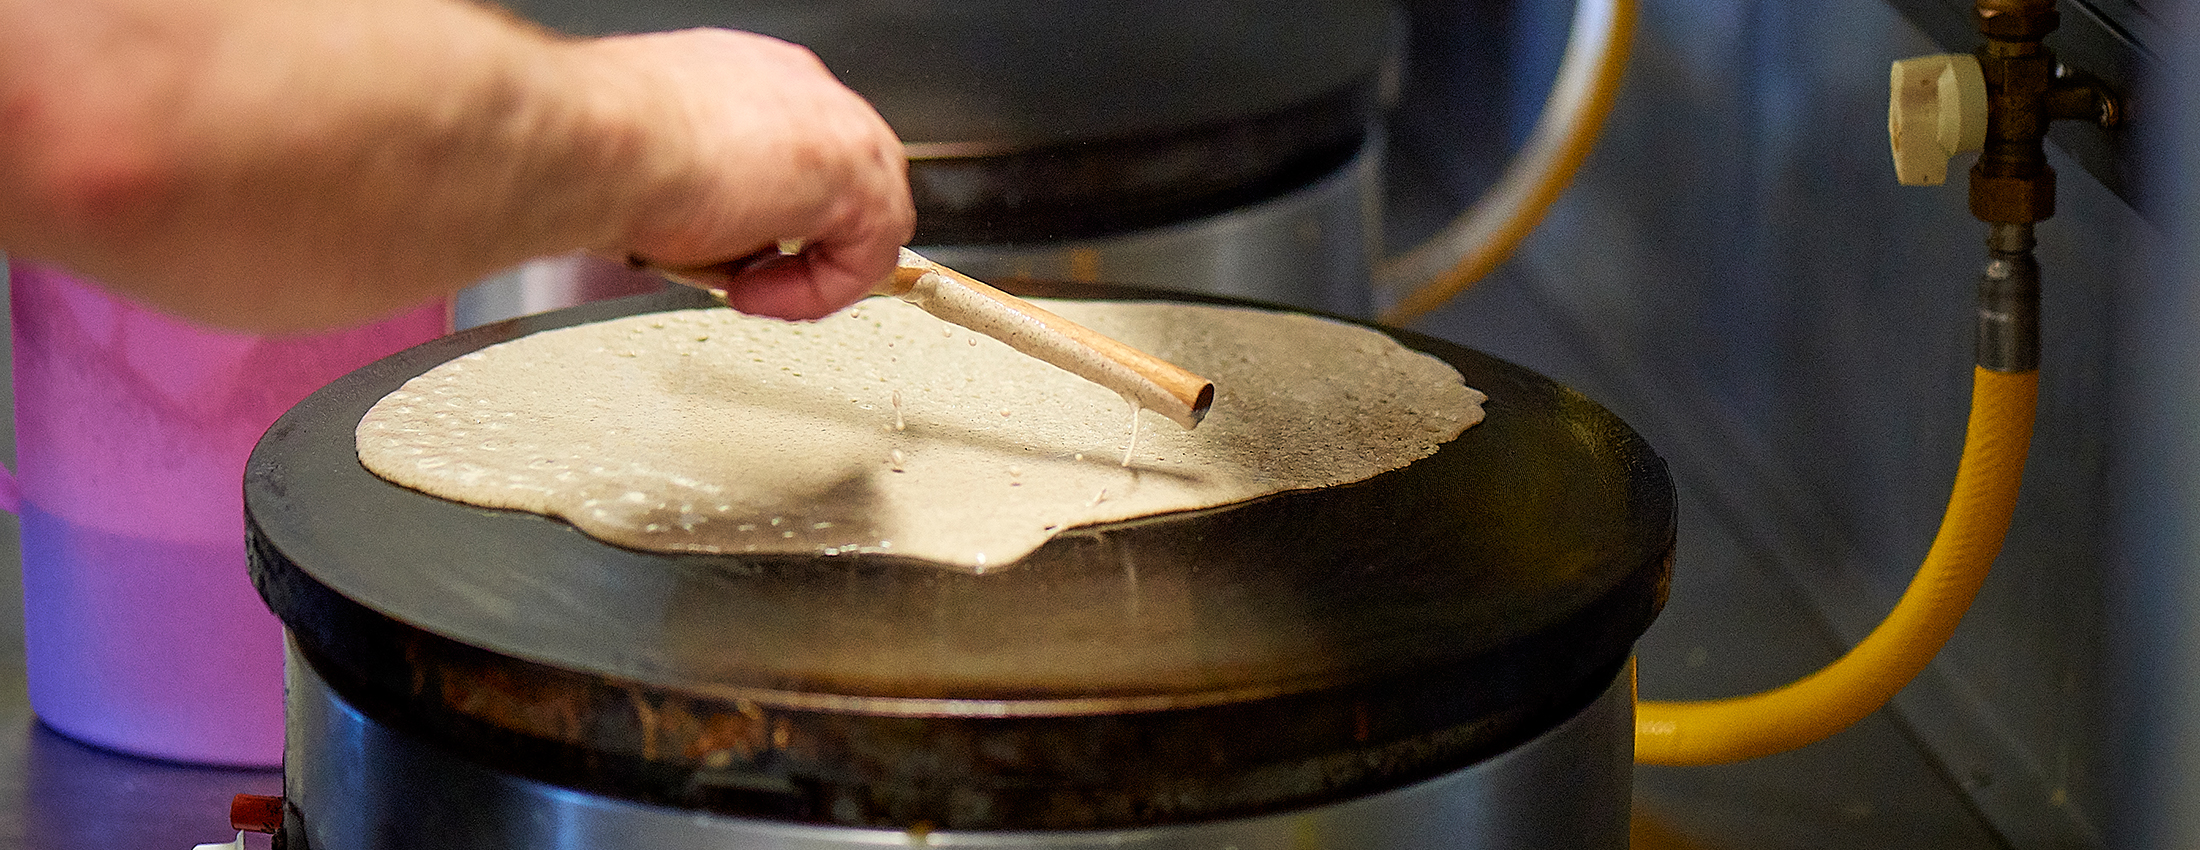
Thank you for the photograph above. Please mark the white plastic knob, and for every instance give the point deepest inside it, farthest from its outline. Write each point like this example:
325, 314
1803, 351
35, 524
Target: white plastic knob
1936, 108
227, 845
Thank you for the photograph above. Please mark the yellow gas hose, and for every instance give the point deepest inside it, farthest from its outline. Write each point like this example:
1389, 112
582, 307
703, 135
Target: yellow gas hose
1828, 701
1573, 115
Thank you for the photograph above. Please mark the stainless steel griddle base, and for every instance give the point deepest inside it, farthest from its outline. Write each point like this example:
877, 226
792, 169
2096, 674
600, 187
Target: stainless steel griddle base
361, 786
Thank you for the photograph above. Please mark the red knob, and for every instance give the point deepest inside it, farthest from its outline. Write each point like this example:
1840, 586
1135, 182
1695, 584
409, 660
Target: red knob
256, 813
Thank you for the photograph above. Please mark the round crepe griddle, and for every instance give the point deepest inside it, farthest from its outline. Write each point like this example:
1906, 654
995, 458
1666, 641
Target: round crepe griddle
1038, 121
1258, 656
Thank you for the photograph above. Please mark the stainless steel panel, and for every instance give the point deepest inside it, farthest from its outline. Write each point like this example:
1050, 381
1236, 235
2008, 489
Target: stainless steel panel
2153, 503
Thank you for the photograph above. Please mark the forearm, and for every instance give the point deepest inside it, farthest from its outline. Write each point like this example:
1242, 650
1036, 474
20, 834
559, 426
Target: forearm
251, 162
297, 163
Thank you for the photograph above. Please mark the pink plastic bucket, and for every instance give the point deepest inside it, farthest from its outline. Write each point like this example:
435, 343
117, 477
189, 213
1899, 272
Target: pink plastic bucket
142, 630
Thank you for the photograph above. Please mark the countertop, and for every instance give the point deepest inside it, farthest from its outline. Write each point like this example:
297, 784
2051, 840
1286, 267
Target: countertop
57, 794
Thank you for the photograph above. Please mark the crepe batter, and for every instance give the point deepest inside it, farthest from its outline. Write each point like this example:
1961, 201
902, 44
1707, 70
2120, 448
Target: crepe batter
884, 430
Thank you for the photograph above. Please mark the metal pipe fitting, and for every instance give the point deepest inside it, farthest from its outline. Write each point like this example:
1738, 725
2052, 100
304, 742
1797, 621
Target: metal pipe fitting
2015, 20
2009, 301
2080, 96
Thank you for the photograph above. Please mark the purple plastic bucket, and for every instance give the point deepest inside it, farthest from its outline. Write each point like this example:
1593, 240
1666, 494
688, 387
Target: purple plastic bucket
142, 630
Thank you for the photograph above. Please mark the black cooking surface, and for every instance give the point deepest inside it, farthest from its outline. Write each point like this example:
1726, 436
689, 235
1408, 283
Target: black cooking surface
1384, 630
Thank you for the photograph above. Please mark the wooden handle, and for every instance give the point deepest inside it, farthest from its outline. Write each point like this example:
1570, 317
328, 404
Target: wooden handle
1147, 381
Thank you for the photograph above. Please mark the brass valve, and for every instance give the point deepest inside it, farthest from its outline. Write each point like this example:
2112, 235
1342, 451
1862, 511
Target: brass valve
1999, 102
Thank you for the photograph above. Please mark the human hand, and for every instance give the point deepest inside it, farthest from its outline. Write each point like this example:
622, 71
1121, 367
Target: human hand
297, 166
748, 142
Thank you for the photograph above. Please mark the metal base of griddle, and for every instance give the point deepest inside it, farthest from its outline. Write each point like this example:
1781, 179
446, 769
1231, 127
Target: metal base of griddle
355, 784
1310, 248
